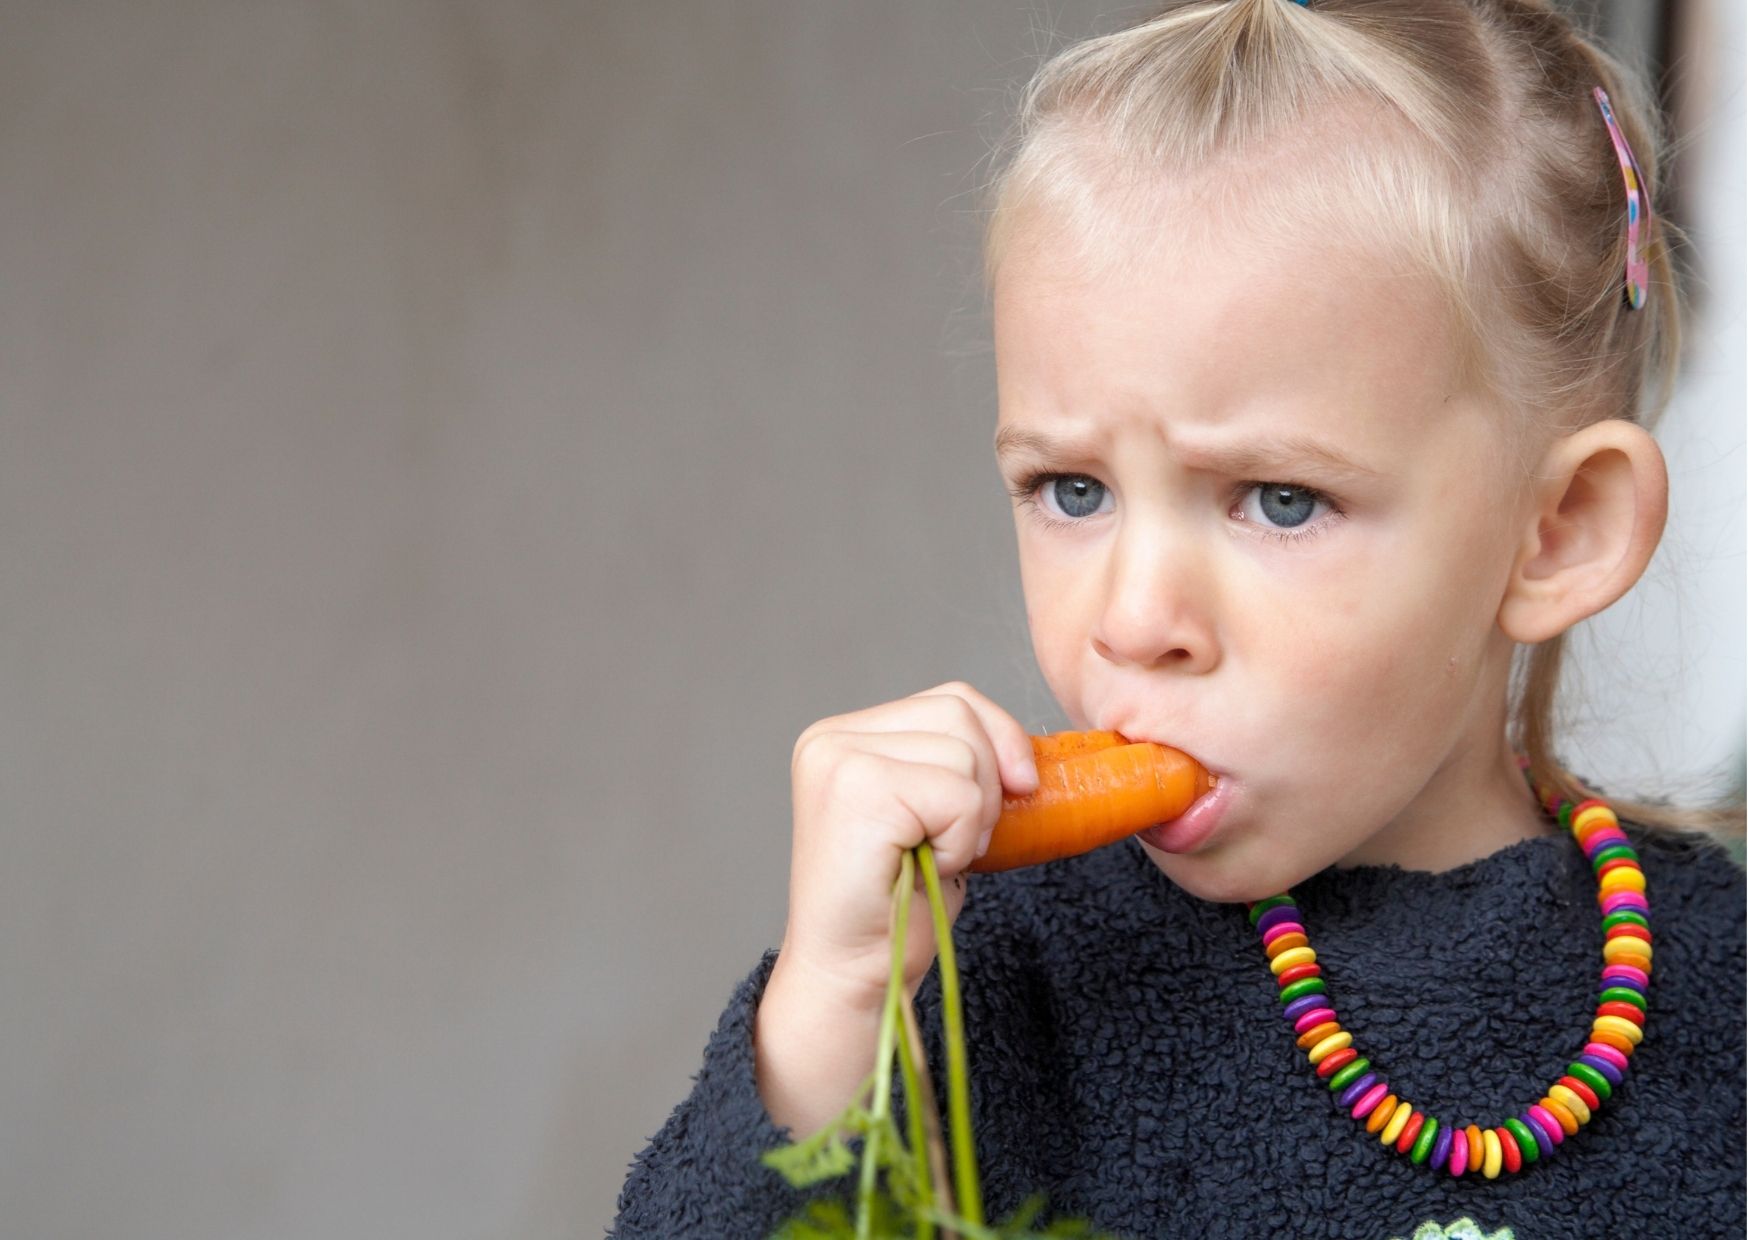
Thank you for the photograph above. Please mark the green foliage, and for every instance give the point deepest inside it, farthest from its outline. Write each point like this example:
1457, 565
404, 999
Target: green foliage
892, 1202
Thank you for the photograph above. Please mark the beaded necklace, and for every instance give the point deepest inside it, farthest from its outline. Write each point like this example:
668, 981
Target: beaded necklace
1590, 1078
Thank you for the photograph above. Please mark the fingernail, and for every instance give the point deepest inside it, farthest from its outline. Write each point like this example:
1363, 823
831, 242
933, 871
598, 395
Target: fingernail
983, 842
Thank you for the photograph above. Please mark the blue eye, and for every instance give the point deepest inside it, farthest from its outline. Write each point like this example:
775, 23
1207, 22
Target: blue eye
1285, 509
1287, 505
1076, 496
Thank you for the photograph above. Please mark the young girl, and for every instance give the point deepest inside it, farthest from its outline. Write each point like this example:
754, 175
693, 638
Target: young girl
1322, 332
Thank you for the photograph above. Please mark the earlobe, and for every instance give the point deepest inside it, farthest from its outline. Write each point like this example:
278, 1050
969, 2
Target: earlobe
1593, 521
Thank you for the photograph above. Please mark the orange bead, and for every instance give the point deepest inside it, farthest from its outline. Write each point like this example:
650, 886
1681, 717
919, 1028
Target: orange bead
1286, 942
1312, 1036
1568, 1121
1381, 1114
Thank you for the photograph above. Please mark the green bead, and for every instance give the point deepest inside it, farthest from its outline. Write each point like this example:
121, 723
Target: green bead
1526, 1140
1590, 1076
1566, 815
1622, 994
1604, 855
1625, 916
1304, 986
1263, 906
1348, 1074
1423, 1143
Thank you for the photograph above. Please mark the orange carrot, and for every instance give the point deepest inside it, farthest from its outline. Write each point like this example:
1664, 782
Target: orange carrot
1062, 744
1088, 799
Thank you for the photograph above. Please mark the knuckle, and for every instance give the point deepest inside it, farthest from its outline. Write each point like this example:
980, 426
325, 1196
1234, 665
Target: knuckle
814, 753
964, 756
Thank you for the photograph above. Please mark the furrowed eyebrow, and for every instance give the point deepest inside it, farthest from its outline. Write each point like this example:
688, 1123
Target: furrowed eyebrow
1287, 452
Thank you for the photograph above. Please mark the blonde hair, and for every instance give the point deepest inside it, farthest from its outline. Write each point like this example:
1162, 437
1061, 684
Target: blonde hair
1483, 162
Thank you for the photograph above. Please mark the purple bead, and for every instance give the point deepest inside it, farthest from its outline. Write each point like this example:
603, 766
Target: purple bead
1616, 975
1535, 1126
1304, 1003
1352, 1093
1441, 1147
1610, 1073
1277, 914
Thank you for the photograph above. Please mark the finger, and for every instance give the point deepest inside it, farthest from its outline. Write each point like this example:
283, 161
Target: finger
1008, 738
943, 749
952, 811
946, 715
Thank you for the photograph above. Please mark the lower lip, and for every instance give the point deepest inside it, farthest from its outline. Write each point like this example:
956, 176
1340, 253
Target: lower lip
1189, 830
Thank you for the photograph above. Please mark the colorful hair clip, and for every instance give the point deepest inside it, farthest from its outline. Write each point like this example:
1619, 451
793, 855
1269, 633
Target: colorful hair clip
1638, 206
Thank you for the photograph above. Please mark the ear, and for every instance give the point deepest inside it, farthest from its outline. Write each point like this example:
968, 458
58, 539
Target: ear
1594, 516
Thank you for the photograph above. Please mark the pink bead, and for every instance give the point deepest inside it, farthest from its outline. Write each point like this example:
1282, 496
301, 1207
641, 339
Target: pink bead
1313, 1018
1606, 1052
1279, 928
1598, 840
1545, 1118
1632, 972
1616, 900
1370, 1099
1459, 1155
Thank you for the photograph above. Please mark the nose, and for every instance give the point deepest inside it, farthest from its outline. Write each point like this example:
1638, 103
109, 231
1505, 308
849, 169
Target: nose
1159, 604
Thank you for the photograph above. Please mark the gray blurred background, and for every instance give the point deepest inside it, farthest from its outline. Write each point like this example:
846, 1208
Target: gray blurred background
447, 454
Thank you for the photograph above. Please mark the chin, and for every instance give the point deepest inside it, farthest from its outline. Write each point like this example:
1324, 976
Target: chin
1219, 879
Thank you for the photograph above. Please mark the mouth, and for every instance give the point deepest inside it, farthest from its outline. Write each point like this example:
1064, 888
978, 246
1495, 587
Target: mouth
1192, 828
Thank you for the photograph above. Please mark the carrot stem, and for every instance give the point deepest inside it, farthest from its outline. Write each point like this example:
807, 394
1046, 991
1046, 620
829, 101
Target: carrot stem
883, 1055
958, 1083
925, 1122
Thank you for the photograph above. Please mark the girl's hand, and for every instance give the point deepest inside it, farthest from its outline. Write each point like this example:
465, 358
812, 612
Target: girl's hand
867, 787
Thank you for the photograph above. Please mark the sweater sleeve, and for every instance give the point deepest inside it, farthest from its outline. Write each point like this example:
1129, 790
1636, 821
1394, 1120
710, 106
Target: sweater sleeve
700, 1175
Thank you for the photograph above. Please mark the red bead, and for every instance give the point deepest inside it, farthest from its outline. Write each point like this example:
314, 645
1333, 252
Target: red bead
1410, 1130
1508, 1148
1617, 863
1583, 1091
1628, 929
1335, 1061
1289, 976
1626, 1011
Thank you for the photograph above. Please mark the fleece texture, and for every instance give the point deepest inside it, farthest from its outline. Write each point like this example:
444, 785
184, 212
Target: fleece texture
1128, 1056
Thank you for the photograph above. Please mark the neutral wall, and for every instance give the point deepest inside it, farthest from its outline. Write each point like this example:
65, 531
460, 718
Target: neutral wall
447, 453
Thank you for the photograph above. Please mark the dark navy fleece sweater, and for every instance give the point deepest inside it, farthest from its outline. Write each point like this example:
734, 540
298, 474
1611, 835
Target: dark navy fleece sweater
1128, 1056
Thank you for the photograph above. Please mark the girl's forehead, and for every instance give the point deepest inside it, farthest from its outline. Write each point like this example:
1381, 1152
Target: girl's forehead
1211, 328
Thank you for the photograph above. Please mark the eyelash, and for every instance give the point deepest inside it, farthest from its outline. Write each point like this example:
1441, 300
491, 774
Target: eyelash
1026, 489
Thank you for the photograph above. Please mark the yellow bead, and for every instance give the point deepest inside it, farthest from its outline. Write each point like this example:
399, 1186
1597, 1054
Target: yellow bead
1330, 1045
1553, 1106
1595, 813
1291, 957
1625, 945
1622, 878
1571, 1101
1381, 1113
1492, 1156
1397, 1123
1621, 1025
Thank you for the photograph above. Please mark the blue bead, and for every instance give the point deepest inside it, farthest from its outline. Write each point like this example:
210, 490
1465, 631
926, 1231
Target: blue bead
1352, 1093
